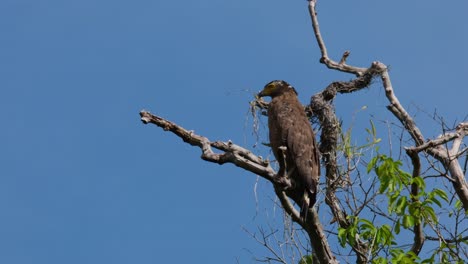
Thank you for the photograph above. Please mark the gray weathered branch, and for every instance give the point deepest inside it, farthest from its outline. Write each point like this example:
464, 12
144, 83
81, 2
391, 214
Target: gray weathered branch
447, 157
233, 153
434, 148
322, 107
341, 66
243, 158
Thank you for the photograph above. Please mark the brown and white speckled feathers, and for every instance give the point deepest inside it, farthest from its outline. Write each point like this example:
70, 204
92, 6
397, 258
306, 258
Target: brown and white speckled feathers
289, 127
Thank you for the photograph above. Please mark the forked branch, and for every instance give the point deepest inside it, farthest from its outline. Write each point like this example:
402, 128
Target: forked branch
243, 158
434, 148
232, 153
325, 59
322, 108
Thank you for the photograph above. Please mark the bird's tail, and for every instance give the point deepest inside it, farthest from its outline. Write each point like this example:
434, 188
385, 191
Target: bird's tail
308, 201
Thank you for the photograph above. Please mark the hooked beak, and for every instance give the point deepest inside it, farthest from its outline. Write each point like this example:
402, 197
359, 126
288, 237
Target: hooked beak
261, 94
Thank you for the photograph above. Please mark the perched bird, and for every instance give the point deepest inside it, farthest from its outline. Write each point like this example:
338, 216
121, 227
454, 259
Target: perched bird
293, 143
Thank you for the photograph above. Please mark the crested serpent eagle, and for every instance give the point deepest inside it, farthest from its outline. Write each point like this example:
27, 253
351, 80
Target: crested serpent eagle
293, 143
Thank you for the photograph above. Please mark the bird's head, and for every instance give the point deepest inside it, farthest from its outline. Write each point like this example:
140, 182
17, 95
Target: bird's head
275, 88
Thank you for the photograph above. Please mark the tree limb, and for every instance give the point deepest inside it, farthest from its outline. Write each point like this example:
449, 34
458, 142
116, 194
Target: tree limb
438, 151
245, 159
233, 153
418, 227
322, 107
341, 66
446, 157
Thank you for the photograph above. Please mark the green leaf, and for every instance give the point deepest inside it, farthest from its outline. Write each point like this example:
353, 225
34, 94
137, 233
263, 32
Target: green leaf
384, 184
445, 258
372, 163
441, 194
367, 229
392, 201
307, 260
419, 182
429, 260
429, 213
384, 235
434, 200
366, 223
415, 209
408, 221
379, 260
393, 186
406, 178
401, 205
396, 253
342, 235
374, 132
397, 227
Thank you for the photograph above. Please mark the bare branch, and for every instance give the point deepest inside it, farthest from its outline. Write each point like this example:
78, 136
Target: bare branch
457, 137
456, 240
233, 153
396, 108
433, 143
438, 152
243, 158
462, 131
344, 57
264, 241
341, 66
288, 207
448, 158
321, 106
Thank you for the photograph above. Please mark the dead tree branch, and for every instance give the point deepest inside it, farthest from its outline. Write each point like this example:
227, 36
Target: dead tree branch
233, 153
447, 157
331, 64
243, 158
321, 105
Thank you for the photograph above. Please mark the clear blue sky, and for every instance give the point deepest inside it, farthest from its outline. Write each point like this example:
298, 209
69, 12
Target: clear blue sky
83, 181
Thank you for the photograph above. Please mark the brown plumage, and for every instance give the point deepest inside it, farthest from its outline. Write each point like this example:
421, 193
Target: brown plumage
291, 131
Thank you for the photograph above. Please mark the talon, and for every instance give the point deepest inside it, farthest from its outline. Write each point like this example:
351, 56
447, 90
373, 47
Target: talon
284, 182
